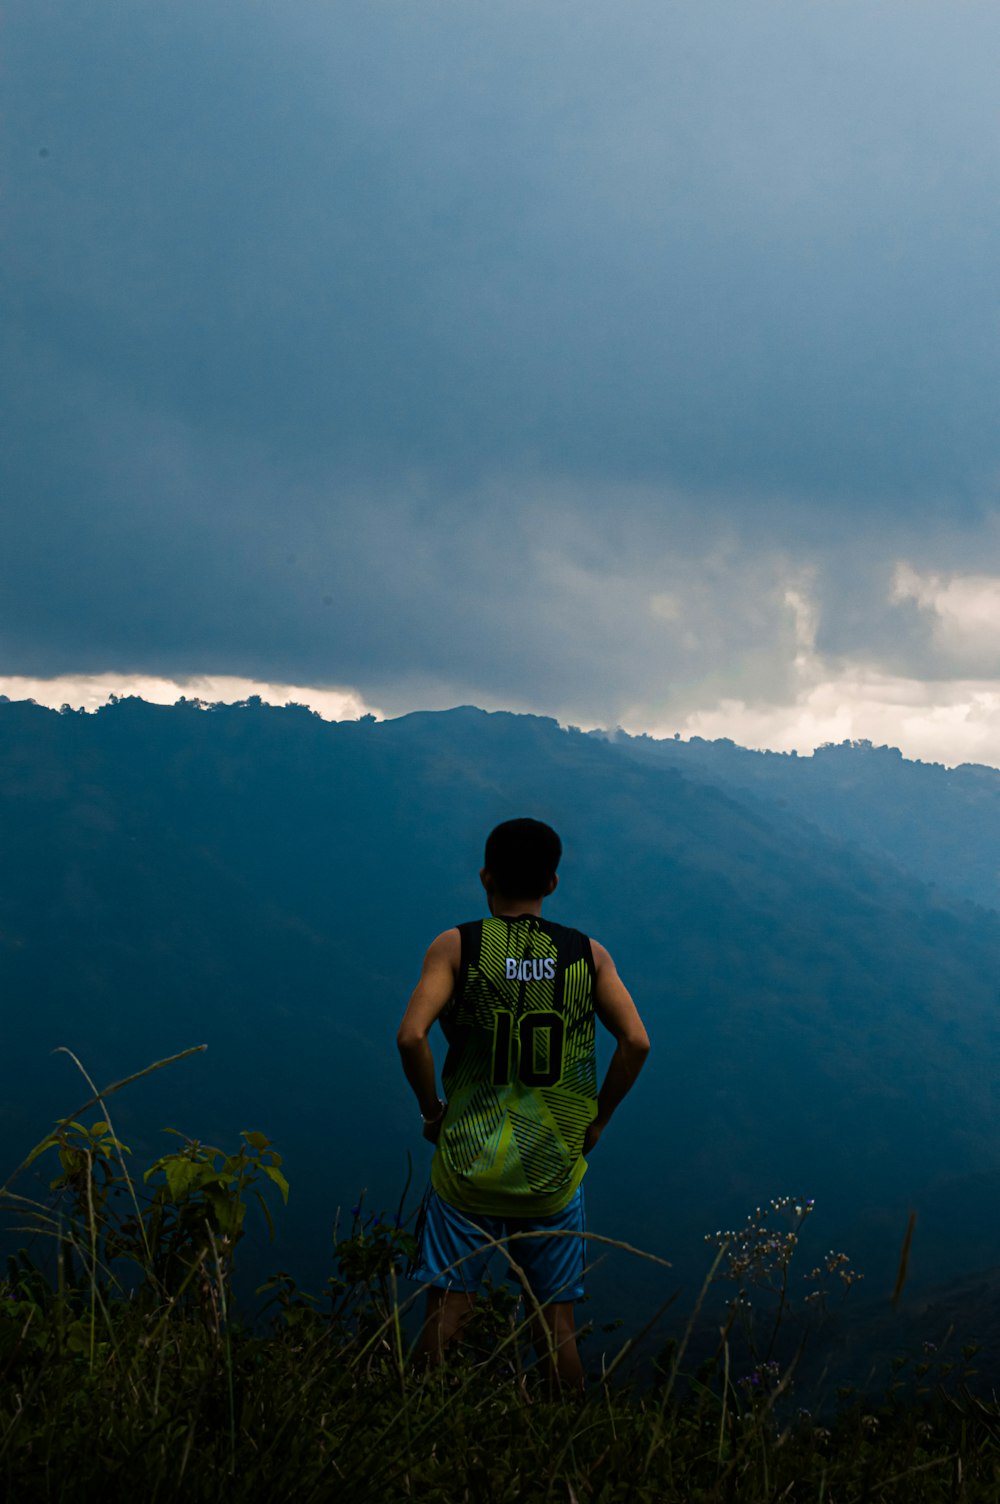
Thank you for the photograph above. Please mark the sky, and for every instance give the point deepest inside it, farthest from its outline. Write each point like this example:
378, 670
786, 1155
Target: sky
635, 365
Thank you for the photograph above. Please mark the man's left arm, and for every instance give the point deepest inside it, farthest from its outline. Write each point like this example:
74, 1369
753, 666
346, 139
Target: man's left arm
430, 997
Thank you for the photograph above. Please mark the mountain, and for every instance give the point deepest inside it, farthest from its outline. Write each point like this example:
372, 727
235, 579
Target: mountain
940, 824
823, 1023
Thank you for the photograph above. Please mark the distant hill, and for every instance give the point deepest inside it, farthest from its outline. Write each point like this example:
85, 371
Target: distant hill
941, 824
822, 1022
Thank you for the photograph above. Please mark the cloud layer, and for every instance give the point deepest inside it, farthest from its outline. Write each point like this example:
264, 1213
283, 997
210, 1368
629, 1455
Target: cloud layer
630, 367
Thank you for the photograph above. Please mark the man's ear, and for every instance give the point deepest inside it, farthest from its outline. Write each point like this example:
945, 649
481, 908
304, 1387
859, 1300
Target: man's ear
553, 885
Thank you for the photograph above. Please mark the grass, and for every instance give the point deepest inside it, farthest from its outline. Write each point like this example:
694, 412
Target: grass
157, 1388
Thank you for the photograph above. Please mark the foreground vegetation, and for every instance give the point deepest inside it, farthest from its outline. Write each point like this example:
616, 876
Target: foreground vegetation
157, 1388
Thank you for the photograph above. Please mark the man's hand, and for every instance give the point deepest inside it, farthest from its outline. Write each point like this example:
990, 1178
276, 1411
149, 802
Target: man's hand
594, 1130
432, 1131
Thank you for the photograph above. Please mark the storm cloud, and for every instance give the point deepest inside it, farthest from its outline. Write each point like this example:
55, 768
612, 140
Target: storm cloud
622, 364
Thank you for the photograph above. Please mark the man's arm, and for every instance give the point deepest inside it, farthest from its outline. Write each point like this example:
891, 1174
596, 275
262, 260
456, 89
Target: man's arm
616, 1010
430, 997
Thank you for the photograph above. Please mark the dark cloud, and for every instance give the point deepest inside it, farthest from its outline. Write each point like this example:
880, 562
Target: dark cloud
531, 351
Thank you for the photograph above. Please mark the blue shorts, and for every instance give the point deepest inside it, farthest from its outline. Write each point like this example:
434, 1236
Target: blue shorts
553, 1267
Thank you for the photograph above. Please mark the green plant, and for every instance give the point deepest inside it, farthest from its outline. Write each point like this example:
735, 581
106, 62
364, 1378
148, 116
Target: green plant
111, 1394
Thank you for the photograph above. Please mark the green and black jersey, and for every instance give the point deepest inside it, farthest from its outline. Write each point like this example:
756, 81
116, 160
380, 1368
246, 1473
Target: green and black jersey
520, 1077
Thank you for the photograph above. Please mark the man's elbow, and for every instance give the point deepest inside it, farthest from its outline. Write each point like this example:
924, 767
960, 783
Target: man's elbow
409, 1041
637, 1043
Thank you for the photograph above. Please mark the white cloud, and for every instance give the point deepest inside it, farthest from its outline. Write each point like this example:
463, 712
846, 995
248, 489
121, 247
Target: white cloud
945, 720
966, 607
90, 691
948, 722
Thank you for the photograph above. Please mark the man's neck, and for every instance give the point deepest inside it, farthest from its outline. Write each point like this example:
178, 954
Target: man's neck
514, 908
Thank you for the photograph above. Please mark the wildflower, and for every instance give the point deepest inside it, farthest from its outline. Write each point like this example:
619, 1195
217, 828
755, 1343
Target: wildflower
355, 1210
760, 1375
930, 1347
870, 1422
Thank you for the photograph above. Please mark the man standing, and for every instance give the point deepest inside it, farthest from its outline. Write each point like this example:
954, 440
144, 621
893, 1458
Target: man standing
516, 996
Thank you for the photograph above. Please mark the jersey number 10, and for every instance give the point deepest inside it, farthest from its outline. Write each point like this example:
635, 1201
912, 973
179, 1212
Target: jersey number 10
503, 1029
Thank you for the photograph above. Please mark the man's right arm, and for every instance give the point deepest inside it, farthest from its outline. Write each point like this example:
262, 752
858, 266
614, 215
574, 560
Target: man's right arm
616, 1010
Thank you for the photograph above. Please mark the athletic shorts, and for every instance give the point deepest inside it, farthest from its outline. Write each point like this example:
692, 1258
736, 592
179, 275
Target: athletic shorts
554, 1267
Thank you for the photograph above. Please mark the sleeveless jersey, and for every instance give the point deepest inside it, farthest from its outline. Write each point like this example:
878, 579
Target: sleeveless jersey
520, 1076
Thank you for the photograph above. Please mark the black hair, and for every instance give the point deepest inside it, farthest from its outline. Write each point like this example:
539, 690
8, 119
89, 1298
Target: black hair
522, 856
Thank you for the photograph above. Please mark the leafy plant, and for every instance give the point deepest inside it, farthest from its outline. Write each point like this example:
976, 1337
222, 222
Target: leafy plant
159, 1393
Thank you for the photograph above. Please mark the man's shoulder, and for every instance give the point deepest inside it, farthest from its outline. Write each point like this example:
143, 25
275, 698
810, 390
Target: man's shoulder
446, 945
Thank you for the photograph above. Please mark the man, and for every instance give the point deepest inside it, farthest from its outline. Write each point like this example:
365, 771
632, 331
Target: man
516, 997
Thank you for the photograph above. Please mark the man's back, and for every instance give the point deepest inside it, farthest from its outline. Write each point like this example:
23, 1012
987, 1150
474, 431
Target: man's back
521, 1072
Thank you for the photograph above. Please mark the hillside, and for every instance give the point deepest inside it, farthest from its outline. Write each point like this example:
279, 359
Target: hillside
940, 824
822, 1024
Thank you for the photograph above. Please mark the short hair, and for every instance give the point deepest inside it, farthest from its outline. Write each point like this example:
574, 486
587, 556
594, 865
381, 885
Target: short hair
522, 857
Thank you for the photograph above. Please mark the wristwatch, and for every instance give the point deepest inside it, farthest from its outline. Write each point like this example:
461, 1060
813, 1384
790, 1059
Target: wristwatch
443, 1107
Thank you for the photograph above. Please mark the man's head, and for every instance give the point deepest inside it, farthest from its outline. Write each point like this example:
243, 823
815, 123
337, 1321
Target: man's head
520, 860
